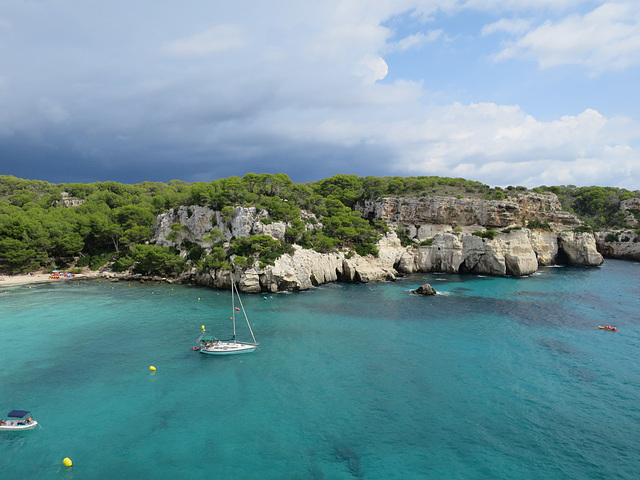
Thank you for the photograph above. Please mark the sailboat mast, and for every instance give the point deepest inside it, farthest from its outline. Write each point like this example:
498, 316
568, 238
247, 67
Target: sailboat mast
246, 318
233, 307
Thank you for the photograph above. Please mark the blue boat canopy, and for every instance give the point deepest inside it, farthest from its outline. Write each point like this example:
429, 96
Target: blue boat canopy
18, 413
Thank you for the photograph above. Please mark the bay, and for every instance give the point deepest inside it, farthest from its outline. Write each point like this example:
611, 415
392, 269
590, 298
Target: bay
491, 378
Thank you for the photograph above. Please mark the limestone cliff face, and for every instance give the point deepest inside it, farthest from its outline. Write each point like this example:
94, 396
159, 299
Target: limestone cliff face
198, 222
631, 208
579, 248
441, 228
516, 253
438, 210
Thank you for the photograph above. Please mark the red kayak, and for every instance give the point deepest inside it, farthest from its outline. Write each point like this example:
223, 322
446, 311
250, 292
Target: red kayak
607, 327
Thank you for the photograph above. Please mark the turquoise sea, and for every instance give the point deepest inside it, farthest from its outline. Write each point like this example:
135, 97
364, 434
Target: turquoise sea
493, 378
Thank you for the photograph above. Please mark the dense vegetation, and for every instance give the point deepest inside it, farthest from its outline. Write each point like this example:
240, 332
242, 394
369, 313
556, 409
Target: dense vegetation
40, 226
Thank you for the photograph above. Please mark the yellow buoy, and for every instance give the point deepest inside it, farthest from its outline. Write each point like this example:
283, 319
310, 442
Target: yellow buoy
67, 462
202, 327
198, 298
152, 368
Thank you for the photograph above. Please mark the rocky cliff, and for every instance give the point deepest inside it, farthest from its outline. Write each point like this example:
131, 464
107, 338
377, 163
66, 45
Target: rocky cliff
454, 212
441, 230
624, 245
198, 222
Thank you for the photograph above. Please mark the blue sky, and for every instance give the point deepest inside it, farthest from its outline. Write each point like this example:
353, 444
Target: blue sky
506, 92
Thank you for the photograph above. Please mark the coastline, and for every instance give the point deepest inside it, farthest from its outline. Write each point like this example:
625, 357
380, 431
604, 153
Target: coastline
41, 277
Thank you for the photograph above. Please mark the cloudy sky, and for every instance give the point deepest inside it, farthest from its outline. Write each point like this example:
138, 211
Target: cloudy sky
506, 92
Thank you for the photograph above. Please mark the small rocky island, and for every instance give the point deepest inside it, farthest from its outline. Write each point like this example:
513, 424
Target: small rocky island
425, 289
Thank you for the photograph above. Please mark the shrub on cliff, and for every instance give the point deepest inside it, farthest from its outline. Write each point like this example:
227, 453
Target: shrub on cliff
317, 240
401, 232
612, 237
217, 259
511, 229
364, 249
263, 247
533, 224
488, 234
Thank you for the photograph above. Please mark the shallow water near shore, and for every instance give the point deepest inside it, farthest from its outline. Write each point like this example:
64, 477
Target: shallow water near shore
491, 378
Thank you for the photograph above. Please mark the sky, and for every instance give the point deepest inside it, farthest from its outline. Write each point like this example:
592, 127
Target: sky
505, 92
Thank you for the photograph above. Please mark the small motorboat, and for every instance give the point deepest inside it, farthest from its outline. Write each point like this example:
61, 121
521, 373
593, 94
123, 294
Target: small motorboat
608, 327
16, 421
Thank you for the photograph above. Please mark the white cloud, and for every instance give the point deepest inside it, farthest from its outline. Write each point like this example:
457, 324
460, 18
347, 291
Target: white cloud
415, 41
515, 26
521, 5
605, 38
496, 144
213, 40
372, 69
502, 145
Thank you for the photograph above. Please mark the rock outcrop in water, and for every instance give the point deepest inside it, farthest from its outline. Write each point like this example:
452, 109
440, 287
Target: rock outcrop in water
425, 289
448, 235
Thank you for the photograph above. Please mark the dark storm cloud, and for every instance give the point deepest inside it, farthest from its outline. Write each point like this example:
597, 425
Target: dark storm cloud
200, 90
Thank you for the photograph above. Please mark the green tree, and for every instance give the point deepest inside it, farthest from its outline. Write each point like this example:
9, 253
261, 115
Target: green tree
15, 254
155, 260
345, 188
217, 259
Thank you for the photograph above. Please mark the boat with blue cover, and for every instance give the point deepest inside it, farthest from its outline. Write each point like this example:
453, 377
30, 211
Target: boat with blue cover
18, 420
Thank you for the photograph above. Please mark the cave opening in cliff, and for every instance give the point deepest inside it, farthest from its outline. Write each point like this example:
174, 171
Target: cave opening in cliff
562, 258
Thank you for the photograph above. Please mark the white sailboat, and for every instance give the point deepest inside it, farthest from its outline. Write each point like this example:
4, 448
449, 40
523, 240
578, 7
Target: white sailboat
210, 345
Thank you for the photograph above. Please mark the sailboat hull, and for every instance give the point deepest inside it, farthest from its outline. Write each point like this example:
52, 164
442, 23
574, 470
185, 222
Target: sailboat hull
228, 348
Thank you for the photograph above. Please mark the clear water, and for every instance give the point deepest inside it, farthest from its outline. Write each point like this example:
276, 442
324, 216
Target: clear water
493, 378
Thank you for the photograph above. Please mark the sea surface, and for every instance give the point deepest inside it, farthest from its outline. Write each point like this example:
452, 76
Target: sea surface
492, 378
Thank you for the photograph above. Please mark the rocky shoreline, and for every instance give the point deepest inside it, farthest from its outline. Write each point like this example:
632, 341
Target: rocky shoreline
447, 234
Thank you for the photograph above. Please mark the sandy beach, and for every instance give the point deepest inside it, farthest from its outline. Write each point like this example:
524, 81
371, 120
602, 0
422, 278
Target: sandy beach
41, 277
